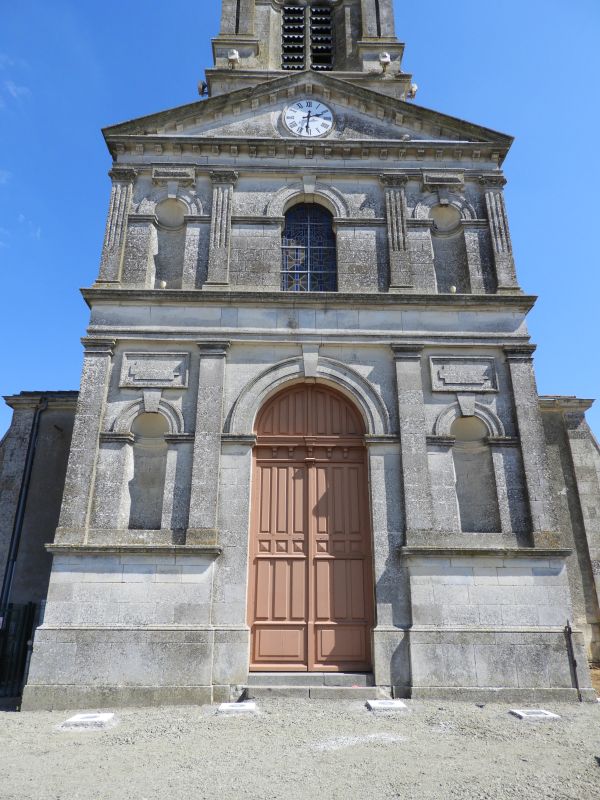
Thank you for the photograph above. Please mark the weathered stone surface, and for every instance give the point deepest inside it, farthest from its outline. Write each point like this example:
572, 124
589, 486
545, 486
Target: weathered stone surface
426, 334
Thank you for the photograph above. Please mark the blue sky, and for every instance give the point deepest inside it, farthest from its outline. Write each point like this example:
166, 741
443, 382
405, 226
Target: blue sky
68, 68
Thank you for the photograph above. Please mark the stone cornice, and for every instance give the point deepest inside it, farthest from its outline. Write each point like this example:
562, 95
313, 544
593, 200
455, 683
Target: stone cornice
518, 303
213, 349
519, 352
31, 400
433, 152
132, 549
229, 177
482, 552
98, 347
573, 405
122, 174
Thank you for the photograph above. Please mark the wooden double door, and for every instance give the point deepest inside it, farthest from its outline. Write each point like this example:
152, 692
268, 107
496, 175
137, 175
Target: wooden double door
311, 585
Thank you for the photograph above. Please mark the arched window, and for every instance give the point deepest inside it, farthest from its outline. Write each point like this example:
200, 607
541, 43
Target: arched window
476, 490
146, 488
309, 256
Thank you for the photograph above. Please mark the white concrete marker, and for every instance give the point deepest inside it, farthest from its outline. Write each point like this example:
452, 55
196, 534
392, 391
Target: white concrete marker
89, 722
386, 705
237, 709
533, 713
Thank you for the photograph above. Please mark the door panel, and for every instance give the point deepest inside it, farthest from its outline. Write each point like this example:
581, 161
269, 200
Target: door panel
310, 604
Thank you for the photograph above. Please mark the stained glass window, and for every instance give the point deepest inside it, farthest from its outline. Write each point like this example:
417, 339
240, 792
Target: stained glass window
308, 245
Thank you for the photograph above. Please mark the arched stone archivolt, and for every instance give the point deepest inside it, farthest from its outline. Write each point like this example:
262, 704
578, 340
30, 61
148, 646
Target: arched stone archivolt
447, 417
423, 208
288, 196
334, 373
188, 198
126, 418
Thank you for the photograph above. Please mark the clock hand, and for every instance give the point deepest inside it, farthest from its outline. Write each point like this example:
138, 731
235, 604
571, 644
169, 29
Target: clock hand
308, 122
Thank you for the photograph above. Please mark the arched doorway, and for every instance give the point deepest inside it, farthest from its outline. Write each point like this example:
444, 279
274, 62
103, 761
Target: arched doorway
311, 586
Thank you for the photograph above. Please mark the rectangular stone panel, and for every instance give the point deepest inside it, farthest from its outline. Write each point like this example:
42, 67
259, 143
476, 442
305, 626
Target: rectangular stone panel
155, 370
463, 374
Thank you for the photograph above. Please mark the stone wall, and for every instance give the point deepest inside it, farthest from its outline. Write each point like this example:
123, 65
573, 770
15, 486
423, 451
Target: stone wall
44, 486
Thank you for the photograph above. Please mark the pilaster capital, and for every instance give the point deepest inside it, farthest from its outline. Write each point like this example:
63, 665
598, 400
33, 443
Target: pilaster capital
492, 181
519, 352
213, 349
407, 352
98, 347
393, 180
122, 174
223, 176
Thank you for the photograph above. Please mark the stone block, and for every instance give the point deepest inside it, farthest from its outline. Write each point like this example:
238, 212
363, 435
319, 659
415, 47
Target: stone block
387, 706
534, 714
89, 722
238, 709
495, 666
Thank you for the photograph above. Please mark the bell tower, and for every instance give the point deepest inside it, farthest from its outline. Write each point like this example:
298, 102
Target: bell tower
263, 39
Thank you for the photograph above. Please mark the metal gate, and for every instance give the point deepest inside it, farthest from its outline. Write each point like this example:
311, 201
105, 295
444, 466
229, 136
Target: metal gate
16, 634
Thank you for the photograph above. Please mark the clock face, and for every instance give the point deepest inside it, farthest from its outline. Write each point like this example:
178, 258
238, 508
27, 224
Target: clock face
308, 118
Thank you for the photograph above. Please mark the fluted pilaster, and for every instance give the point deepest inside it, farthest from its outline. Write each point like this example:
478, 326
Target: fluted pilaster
116, 225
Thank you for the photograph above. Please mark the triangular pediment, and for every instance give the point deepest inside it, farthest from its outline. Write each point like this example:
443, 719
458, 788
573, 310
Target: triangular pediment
361, 115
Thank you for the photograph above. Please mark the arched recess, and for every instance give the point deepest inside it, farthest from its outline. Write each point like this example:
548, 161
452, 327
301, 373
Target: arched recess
124, 422
288, 196
444, 422
474, 477
147, 483
336, 374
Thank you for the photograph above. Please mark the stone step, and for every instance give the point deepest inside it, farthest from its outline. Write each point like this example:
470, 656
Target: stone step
311, 679
315, 692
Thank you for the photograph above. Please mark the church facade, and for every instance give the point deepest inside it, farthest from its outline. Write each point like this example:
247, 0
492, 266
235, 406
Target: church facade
308, 440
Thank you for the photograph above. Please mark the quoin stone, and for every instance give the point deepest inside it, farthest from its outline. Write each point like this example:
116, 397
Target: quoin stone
308, 437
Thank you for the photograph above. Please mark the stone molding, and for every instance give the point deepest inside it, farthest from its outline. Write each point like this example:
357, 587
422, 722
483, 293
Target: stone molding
517, 303
122, 174
485, 383
331, 372
519, 352
223, 176
503, 441
171, 413
183, 176
574, 405
448, 415
213, 349
483, 552
407, 352
98, 347
423, 208
299, 192
394, 180
174, 374
132, 549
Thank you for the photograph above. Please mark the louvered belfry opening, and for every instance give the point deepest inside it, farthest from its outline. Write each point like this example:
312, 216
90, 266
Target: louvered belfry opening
321, 38
294, 46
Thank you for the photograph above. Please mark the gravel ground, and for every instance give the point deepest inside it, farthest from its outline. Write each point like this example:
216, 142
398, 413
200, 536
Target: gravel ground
305, 749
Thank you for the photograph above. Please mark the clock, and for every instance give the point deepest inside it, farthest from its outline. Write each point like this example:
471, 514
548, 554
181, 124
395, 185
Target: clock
308, 118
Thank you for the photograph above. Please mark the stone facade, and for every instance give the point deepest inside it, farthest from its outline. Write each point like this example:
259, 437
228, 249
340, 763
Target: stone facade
484, 503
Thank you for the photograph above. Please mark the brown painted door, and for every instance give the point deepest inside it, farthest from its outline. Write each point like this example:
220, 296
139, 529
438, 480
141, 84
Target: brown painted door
311, 591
